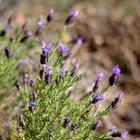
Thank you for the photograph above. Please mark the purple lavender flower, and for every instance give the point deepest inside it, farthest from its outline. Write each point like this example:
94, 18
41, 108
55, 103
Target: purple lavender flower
121, 134
116, 70
43, 59
96, 125
117, 100
34, 95
99, 78
66, 122
27, 35
74, 127
62, 73
32, 106
74, 13
51, 15
42, 72
115, 75
24, 26
39, 28
78, 40
21, 63
8, 52
113, 129
44, 48
45, 53
73, 72
62, 48
40, 25
25, 78
48, 77
70, 17
50, 70
98, 98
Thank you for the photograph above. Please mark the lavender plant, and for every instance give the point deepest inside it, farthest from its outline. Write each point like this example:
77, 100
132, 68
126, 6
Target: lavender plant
49, 110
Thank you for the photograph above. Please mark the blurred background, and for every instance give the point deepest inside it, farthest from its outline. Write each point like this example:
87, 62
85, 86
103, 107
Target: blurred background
111, 35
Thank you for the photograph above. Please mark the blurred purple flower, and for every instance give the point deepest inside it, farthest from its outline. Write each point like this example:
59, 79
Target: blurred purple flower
98, 98
24, 26
74, 13
73, 72
70, 17
121, 134
78, 40
21, 63
98, 79
32, 106
44, 48
116, 70
62, 73
29, 33
66, 122
50, 70
115, 75
51, 15
62, 48
34, 95
40, 25
74, 127
96, 125
117, 100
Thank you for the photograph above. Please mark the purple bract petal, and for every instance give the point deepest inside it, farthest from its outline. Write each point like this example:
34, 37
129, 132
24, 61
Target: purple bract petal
62, 73
116, 70
62, 48
50, 70
100, 76
51, 12
124, 134
29, 33
40, 24
74, 13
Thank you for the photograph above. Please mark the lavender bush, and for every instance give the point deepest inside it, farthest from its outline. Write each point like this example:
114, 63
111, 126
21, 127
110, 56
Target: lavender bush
49, 110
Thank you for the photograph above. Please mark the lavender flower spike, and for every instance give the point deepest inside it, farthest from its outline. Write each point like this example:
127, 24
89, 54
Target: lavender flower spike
42, 72
78, 40
40, 25
51, 15
74, 127
50, 70
62, 48
72, 14
98, 98
32, 106
122, 134
99, 78
29, 33
73, 72
45, 53
66, 122
96, 125
117, 100
62, 73
115, 75
48, 77
44, 48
